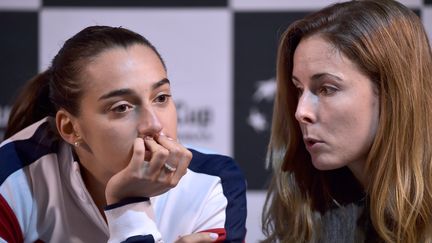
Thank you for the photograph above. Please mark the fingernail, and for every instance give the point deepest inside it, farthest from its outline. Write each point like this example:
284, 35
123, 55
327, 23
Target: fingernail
213, 236
148, 138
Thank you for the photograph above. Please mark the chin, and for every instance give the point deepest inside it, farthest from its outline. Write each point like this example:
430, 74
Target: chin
326, 165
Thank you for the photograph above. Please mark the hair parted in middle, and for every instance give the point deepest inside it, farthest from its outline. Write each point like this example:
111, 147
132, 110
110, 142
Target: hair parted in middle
387, 42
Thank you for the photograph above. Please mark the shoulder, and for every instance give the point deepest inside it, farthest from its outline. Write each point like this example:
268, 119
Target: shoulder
26, 147
215, 164
225, 169
17, 154
233, 185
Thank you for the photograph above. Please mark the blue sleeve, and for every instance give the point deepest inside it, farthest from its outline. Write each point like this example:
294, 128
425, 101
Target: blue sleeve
140, 239
234, 189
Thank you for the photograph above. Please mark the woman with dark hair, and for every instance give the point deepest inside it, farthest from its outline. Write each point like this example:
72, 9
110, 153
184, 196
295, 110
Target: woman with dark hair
91, 154
351, 148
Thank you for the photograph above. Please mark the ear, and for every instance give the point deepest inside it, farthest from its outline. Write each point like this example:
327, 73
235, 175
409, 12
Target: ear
67, 127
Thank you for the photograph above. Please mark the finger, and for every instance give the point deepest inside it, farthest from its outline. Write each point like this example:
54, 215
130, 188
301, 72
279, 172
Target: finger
203, 237
183, 164
183, 161
175, 151
178, 153
138, 153
159, 156
179, 156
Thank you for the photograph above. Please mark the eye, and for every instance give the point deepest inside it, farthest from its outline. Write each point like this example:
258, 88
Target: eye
122, 108
299, 91
298, 87
327, 90
163, 98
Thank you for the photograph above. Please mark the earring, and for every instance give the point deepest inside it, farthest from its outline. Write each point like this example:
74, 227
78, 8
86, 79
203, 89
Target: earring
78, 141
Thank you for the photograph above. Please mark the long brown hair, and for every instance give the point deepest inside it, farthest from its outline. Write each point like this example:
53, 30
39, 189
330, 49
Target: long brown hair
388, 43
61, 84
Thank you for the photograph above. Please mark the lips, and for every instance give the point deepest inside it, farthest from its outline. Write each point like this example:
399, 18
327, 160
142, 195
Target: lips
310, 142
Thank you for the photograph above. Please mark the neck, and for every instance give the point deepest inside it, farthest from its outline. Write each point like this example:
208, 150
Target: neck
357, 168
96, 188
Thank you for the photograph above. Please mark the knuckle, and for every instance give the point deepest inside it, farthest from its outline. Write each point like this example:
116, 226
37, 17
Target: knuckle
138, 151
176, 150
162, 153
189, 154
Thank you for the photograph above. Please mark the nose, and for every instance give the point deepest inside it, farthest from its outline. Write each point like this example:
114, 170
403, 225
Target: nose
149, 123
305, 113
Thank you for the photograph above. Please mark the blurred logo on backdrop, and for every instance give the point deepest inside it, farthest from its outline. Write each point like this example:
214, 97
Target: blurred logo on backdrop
194, 123
4, 116
256, 38
260, 118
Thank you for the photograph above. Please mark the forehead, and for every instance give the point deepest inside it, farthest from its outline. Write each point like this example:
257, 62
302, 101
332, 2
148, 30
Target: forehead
121, 67
118, 59
315, 54
315, 48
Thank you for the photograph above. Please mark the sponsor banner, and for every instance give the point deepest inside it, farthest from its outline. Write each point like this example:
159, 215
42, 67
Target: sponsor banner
220, 59
256, 40
195, 44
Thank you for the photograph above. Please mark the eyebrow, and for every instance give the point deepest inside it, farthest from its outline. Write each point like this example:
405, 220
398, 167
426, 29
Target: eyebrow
128, 92
318, 77
160, 83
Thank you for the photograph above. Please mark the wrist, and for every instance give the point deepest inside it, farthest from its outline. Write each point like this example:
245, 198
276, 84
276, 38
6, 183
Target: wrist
122, 202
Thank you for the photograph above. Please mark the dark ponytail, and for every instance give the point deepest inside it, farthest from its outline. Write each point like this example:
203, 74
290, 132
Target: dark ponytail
31, 105
60, 86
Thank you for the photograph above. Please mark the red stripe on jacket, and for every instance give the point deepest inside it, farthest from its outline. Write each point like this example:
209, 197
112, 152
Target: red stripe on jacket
220, 231
10, 229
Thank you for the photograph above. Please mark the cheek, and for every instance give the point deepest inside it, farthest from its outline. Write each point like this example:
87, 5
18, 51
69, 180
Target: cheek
375, 111
116, 149
367, 114
118, 138
351, 118
111, 142
361, 123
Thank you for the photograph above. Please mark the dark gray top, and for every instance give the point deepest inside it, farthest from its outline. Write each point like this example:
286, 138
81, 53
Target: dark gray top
348, 223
